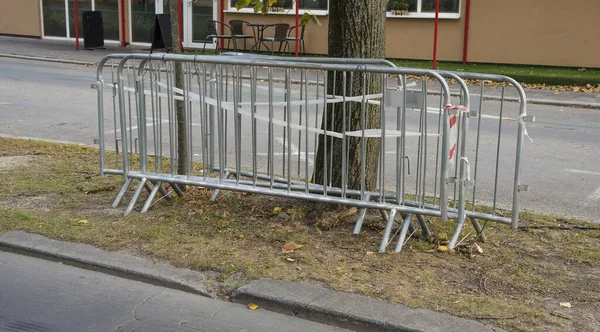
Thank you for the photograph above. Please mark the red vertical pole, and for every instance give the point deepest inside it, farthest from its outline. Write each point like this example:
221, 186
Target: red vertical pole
76, 25
179, 23
222, 19
297, 14
466, 37
123, 43
435, 32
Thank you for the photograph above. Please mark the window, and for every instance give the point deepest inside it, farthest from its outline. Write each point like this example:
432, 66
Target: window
313, 4
56, 14
446, 6
289, 6
54, 18
426, 8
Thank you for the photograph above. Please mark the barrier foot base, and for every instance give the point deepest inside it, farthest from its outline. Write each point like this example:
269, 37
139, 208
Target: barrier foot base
177, 189
164, 193
360, 218
157, 186
424, 226
135, 197
454, 239
121, 193
388, 231
401, 239
215, 195
478, 229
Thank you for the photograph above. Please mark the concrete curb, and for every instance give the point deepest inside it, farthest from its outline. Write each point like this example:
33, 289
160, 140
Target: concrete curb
37, 58
314, 303
534, 101
91, 258
548, 102
355, 312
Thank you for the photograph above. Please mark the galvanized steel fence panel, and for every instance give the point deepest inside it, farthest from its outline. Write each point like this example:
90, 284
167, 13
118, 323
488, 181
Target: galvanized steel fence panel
252, 125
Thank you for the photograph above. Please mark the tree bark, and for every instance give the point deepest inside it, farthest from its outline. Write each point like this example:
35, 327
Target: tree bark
179, 105
356, 30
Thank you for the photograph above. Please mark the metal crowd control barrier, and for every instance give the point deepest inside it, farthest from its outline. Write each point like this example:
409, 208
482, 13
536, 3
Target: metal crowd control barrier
222, 93
501, 151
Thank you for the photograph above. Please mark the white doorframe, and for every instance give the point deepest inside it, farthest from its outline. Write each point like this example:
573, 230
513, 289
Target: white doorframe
158, 9
188, 26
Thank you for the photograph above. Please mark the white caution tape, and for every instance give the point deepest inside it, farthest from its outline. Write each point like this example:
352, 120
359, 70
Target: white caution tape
522, 121
468, 165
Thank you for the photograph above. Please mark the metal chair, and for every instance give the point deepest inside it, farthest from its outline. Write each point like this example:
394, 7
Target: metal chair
281, 33
213, 33
292, 37
237, 30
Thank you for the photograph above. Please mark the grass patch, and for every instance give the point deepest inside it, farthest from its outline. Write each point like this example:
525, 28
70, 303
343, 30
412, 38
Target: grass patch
564, 76
536, 76
516, 283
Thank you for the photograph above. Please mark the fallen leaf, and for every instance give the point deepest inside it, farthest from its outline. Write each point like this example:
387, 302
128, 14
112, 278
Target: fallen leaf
289, 259
290, 247
370, 253
82, 222
566, 304
442, 248
443, 237
253, 306
277, 209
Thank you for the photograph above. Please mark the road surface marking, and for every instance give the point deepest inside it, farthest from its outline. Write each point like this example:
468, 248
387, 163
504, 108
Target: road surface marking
595, 196
580, 171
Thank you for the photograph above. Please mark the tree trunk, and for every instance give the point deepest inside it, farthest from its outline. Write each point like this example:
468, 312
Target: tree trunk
356, 30
179, 105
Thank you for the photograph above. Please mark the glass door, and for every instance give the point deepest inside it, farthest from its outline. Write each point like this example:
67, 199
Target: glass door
141, 20
58, 17
110, 17
198, 12
54, 17
82, 6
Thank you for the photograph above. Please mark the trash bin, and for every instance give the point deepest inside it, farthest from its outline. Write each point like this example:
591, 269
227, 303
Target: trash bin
93, 30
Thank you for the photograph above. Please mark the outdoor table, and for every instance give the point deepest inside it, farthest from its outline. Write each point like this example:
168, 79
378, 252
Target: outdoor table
259, 29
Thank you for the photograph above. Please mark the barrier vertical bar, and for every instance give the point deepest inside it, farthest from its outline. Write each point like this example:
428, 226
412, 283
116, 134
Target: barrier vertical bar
498, 149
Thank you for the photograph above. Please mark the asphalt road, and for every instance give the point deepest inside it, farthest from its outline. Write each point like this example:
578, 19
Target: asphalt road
54, 101
43, 296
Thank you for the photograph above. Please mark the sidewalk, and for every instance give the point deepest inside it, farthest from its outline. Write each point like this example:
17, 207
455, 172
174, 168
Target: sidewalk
64, 51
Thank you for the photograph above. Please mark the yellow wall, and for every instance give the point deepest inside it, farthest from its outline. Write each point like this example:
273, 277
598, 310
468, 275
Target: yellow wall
412, 38
551, 32
20, 17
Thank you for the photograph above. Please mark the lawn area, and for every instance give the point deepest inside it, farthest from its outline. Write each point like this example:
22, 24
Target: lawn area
524, 74
530, 75
516, 280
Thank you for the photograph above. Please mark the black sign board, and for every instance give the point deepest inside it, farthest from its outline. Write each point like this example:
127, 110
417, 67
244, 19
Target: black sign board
161, 33
93, 30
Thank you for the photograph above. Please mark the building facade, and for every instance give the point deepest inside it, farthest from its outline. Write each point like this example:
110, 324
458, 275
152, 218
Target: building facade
553, 32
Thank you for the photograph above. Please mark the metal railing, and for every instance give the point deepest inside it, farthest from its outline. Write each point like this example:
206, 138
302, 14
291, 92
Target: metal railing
260, 120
